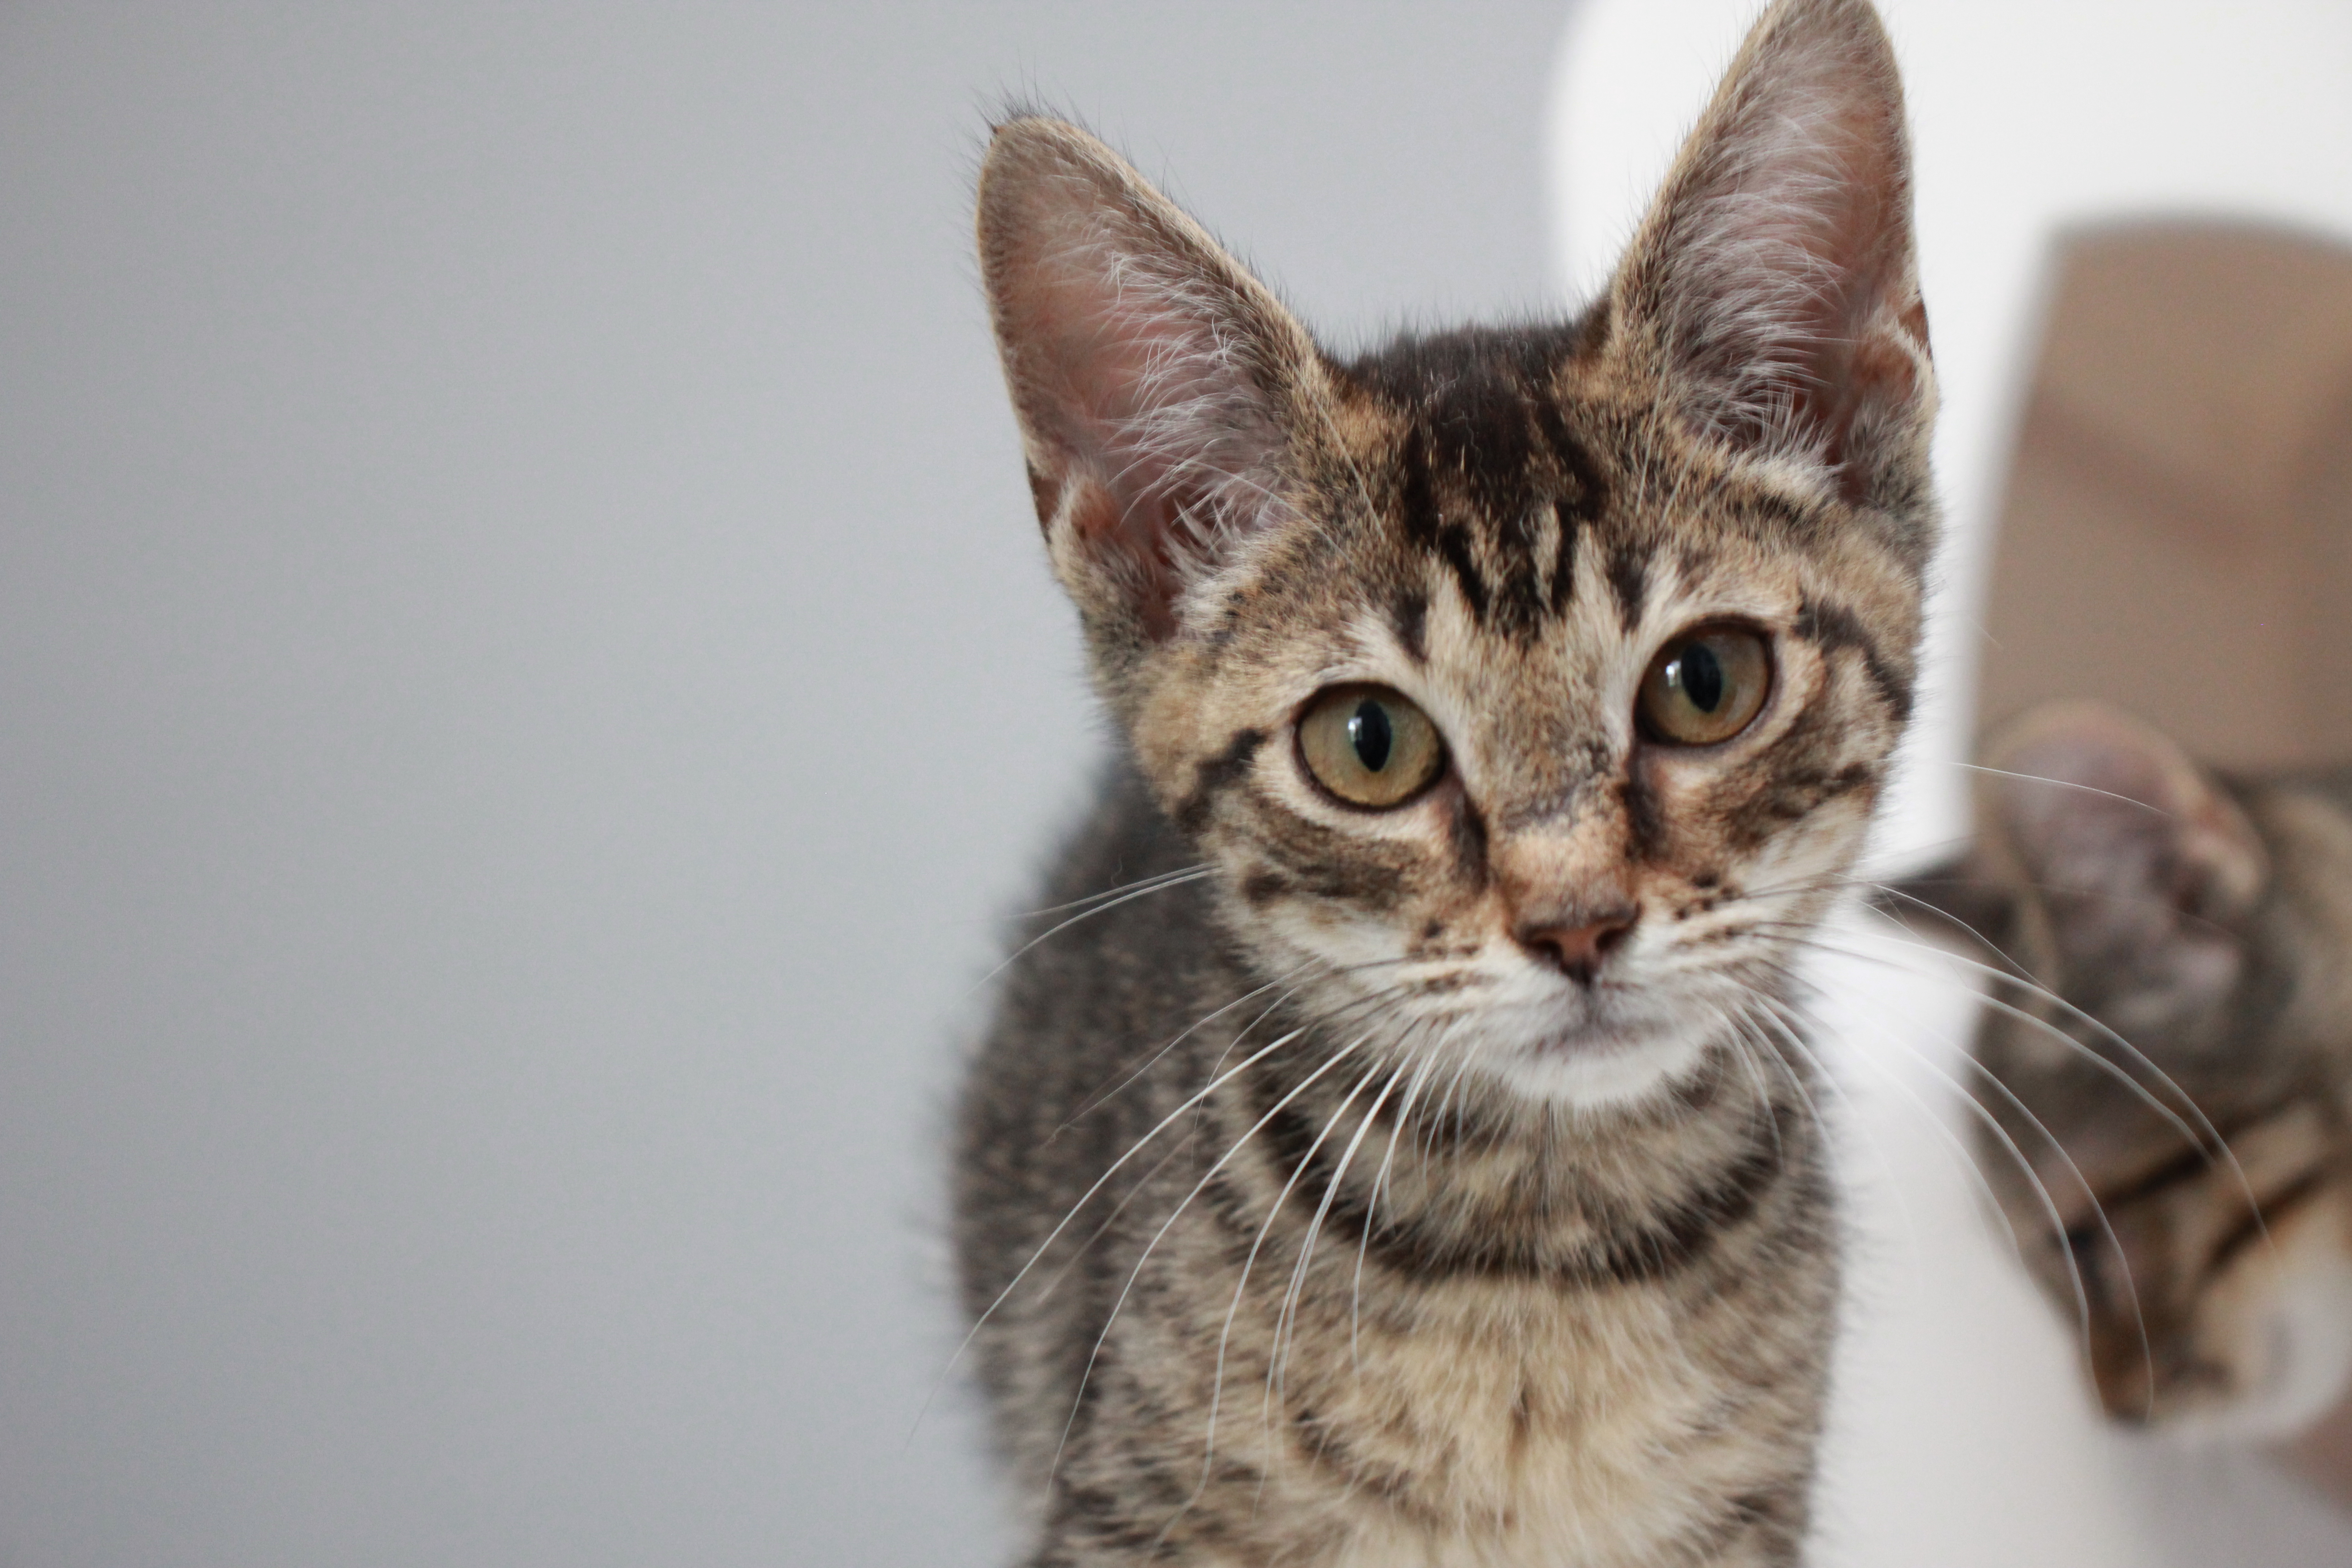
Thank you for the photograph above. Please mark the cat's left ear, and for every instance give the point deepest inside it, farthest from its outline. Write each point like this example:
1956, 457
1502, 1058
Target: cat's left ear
1773, 283
1153, 377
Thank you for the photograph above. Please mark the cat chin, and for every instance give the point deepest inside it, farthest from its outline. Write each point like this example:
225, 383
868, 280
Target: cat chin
1602, 1071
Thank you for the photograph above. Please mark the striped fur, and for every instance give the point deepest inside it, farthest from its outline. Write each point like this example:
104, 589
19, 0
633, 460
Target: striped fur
2172, 1134
1305, 1214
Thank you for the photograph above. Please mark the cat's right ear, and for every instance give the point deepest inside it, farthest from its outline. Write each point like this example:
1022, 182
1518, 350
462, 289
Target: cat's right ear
1152, 376
2137, 858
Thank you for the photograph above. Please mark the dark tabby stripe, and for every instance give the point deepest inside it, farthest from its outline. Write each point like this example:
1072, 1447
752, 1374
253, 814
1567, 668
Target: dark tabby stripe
1629, 579
2190, 1164
1393, 1487
1833, 628
1669, 1240
2265, 1213
1563, 565
1410, 615
1469, 837
1485, 419
1778, 1515
1646, 1251
1216, 775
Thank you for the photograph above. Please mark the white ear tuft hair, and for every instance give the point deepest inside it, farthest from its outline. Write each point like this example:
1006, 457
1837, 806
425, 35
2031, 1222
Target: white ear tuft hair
1774, 274
1152, 374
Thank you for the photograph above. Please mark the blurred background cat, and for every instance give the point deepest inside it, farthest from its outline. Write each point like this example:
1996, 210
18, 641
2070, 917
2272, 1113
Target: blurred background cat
2167, 1085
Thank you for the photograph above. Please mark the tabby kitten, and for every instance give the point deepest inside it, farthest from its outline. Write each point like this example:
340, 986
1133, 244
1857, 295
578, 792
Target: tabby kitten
1405, 1156
2208, 922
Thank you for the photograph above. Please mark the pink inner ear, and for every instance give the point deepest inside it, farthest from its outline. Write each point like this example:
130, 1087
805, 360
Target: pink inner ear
1781, 252
1850, 358
1122, 379
1138, 413
1135, 352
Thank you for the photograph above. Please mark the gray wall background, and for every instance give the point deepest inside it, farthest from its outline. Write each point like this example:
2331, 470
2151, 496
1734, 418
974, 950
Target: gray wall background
526, 681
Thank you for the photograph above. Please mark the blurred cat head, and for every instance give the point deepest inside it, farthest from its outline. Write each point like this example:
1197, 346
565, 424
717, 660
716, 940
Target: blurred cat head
2190, 945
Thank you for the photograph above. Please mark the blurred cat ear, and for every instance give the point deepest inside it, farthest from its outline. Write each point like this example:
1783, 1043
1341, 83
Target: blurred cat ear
1152, 374
1773, 279
2140, 862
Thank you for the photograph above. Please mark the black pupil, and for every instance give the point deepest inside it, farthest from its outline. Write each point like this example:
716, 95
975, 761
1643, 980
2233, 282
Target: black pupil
1368, 732
1700, 675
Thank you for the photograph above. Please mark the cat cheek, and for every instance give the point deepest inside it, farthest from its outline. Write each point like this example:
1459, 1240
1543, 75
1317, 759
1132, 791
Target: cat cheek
1681, 818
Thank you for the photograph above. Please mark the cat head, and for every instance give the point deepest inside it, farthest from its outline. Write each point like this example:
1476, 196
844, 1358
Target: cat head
2210, 927
1525, 688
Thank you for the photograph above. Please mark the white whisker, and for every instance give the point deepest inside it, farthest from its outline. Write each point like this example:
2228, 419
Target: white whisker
1077, 1401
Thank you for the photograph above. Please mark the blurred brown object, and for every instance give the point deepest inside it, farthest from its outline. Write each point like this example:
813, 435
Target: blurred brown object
2177, 534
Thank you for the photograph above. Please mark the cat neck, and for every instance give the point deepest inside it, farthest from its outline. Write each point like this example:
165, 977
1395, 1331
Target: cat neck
1474, 1179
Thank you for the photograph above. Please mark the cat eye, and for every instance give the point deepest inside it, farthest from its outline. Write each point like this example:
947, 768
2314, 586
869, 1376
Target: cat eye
1706, 686
1369, 746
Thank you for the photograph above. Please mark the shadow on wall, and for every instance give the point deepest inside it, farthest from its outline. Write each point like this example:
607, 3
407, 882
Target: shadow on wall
2175, 537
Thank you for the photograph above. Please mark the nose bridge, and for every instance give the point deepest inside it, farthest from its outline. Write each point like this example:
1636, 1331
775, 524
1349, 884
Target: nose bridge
1567, 866
1556, 811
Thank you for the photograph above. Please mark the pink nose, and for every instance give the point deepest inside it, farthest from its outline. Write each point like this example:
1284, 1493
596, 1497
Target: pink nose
1578, 951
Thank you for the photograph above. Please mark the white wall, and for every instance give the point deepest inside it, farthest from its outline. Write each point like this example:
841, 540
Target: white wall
526, 676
